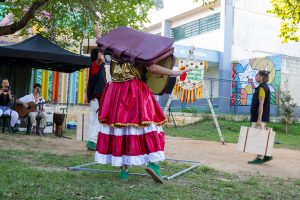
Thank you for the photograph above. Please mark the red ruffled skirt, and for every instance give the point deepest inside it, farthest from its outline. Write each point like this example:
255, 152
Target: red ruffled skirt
130, 131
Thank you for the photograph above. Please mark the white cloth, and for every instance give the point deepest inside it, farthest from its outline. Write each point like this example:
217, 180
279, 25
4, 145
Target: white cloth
14, 116
129, 130
30, 98
94, 122
130, 160
153, 157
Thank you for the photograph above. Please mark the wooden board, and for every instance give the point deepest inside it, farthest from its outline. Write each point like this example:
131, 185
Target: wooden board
256, 141
82, 131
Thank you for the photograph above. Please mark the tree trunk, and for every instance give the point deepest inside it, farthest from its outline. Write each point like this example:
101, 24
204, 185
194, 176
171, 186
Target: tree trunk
286, 128
16, 26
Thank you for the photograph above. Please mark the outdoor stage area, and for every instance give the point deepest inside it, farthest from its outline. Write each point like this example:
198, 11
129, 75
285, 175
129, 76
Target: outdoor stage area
33, 166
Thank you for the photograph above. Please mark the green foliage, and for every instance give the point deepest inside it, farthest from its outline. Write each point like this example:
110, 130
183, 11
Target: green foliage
206, 2
287, 107
289, 12
189, 110
158, 4
69, 21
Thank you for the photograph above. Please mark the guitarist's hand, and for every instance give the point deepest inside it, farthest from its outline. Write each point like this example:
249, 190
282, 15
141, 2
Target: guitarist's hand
25, 105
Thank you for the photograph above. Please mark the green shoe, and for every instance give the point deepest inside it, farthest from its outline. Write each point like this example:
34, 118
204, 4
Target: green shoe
154, 171
256, 161
91, 146
124, 175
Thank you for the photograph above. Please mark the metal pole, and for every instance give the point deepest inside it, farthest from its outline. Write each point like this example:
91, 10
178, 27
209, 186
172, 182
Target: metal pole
182, 172
81, 168
67, 100
214, 115
82, 127
83, 165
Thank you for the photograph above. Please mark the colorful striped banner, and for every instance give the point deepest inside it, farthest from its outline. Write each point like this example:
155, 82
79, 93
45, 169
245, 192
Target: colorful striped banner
55, 86
63, 90
45, 84
81, 86
73, 87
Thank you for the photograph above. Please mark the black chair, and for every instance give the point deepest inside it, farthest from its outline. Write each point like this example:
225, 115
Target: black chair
6, 118
5, 121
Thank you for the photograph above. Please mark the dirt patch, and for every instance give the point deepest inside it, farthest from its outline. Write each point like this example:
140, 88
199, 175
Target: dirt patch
285, 164
221, 157
60, 146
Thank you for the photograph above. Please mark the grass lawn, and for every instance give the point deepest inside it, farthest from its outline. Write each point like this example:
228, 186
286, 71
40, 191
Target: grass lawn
29, 174
205, 130
41, 175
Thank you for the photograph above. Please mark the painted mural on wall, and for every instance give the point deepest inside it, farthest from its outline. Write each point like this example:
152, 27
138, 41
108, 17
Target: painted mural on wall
243, 76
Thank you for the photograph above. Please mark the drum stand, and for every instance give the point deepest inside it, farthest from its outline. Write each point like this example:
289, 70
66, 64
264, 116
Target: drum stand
171, 114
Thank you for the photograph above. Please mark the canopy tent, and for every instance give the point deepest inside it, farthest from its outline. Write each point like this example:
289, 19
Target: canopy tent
38, 52
17, 61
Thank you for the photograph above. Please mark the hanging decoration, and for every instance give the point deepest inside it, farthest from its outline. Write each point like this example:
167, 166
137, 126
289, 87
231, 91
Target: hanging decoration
189, 86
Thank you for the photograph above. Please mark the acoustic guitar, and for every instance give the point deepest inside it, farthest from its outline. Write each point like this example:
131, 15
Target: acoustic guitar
23, 112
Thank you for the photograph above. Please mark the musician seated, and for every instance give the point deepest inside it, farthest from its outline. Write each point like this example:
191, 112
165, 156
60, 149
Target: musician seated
6, 99
38, 110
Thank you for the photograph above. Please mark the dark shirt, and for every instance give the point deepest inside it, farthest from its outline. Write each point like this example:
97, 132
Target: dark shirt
96, 82
255, 104
4, 100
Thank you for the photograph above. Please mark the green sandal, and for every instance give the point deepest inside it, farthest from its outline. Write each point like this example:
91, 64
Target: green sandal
124, 175
154, 171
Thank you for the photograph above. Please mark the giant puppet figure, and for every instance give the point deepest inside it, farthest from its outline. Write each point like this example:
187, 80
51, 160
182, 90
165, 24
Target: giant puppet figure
130, 130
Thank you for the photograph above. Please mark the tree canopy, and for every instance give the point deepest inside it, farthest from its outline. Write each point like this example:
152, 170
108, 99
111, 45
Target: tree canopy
289, 12
64, 21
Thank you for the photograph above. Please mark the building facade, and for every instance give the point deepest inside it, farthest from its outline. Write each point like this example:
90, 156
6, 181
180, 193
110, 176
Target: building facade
245, 38
235, 37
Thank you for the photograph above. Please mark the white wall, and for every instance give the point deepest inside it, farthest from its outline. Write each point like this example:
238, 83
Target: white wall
256, 32
179, 12
290, 72
212, 72
155, 30
211, 40
171, 8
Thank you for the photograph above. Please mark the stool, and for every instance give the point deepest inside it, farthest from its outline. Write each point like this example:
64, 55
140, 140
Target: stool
29, 125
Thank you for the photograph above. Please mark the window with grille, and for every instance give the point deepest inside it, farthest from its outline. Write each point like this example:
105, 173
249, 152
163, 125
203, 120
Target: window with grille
196, 27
